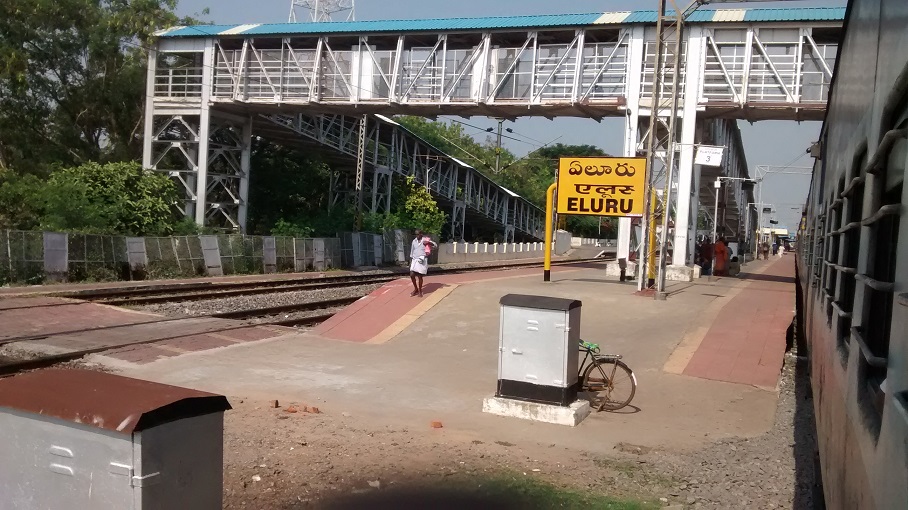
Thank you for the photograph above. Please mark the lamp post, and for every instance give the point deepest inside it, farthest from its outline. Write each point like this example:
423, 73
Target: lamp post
718, 186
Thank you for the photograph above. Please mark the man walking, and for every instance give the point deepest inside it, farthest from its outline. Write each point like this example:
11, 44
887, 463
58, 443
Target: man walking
419, 260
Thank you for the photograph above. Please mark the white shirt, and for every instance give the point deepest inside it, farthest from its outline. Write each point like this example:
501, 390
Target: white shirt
416, 249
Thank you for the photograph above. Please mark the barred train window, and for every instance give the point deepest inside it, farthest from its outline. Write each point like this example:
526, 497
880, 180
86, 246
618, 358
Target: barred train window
817, 261
832, 249
878, 279
852, 249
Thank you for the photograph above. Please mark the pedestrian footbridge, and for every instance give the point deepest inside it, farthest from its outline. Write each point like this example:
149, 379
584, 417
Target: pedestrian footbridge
220, 85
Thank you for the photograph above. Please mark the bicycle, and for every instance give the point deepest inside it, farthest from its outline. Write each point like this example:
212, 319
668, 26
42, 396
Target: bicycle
606, 378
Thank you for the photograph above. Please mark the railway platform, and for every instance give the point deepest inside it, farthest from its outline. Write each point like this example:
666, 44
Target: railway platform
707, 359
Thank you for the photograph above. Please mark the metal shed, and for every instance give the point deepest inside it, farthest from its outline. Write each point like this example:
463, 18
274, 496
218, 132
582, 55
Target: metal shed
84, 439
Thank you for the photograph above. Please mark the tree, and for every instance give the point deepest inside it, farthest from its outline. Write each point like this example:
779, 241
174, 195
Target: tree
20, 201
420, 210
288, 188
453, 140
115, 198
72, 79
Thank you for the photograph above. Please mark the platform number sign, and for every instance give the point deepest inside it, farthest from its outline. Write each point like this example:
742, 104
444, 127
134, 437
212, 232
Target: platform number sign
709, 155
601, 186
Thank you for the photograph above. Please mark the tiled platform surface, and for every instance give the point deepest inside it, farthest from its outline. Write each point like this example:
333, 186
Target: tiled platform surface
746, 342
55, 325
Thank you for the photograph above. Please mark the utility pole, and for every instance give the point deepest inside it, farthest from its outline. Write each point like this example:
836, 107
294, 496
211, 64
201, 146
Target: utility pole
498, 144
322, 10
676, 19
643, 258
670, 155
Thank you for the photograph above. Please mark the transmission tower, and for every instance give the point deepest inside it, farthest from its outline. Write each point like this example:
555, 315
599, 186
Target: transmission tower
322, 10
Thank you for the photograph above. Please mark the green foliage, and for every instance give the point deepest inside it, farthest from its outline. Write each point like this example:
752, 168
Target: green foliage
289, 229
115, 198
588, 226
188, 227
290, 193
454, 140
420, 209
119, 198
20, 198
381, 222
72, 79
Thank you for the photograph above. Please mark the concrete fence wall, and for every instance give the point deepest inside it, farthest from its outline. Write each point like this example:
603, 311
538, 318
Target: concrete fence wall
579, 242
454, 253
36, 257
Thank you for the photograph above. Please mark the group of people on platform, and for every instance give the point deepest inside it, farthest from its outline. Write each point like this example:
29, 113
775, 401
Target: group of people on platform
778, 248
716, 259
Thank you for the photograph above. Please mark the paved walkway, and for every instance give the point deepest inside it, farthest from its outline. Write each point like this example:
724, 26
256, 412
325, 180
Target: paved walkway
389, 309
746, 342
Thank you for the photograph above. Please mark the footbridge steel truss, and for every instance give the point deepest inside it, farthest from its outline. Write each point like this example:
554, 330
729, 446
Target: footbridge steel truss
751, 64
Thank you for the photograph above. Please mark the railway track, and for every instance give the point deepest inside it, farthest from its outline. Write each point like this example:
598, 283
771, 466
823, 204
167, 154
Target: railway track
272, 316
292, 315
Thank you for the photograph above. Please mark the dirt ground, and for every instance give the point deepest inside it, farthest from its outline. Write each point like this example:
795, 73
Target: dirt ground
282, 460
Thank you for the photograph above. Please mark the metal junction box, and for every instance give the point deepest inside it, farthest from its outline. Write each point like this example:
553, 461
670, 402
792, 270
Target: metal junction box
538, 349
82, 439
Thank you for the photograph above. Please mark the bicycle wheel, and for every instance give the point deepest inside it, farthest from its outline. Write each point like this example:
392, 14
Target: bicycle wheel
607, 391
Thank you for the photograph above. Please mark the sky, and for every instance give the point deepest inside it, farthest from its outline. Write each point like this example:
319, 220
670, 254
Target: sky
774, 143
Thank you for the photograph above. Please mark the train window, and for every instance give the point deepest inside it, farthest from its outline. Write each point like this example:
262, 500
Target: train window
850, 255
819, 237
878, 303
832, 250
837, 276
878, 279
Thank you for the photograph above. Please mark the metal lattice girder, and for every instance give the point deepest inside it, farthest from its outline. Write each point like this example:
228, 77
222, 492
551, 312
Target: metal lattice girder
732, 70
177, 149
470, 196
752, 70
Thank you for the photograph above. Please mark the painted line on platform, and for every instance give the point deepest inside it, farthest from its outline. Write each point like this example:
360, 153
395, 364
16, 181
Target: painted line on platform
415, 313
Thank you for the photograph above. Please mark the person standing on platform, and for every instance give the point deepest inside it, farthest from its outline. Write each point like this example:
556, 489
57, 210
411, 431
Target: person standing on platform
720, 258
765, 250
419, 260
706, 254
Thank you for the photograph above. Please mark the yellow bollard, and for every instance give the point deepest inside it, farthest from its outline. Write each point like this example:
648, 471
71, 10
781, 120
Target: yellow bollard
549, 206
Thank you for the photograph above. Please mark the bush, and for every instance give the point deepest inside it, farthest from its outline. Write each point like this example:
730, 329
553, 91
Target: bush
290, 229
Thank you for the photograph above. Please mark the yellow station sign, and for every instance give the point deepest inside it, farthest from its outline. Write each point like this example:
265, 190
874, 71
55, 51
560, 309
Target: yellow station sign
601, 186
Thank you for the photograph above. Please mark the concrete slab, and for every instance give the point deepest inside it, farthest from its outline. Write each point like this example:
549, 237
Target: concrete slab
570, 415
45, 325
445, 363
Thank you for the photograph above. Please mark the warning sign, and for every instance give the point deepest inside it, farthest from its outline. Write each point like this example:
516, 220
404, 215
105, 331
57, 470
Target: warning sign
601, 186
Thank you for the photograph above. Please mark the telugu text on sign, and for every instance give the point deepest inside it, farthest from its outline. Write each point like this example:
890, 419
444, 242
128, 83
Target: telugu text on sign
601, 186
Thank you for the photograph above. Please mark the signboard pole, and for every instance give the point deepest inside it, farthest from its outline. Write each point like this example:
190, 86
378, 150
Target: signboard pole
549, 209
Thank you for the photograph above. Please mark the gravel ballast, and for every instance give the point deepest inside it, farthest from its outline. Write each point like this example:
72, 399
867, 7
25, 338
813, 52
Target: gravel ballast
237, 303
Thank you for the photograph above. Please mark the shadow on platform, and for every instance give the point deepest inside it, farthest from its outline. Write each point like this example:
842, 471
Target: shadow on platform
767, 278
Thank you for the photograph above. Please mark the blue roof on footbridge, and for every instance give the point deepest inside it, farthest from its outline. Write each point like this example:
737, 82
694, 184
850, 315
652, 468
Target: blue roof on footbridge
506, 22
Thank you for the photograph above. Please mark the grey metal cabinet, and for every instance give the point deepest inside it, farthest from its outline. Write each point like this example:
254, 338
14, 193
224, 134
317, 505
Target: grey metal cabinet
83, 439
538, 353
